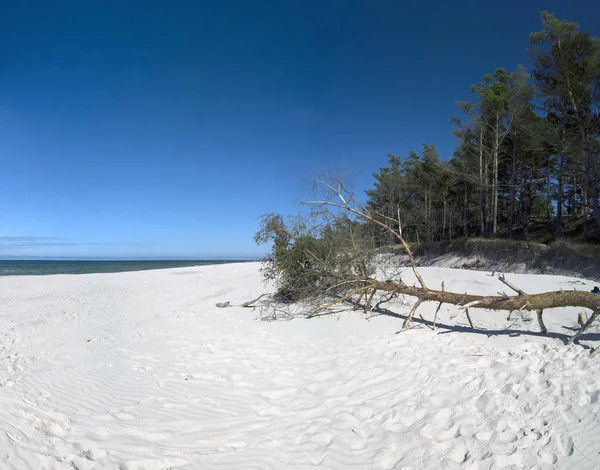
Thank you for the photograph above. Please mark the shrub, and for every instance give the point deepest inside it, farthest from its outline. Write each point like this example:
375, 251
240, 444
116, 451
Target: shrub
308, 259
548, 239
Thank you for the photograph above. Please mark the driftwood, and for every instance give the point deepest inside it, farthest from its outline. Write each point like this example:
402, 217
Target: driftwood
245, 304
530, 302
523, 301
366, 287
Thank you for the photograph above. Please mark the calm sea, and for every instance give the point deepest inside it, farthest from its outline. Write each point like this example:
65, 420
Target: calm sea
36, 268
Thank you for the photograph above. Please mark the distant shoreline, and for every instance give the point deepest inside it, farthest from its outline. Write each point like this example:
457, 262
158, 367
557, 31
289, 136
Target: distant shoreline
49, 267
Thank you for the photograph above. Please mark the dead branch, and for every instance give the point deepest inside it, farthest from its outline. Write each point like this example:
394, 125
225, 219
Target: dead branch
361, 211
587, 324
357, 303
253, 301
409, 253
245, 304
540, 312
320, 308
339, 198
411, 314
368, 304
384, 300
437, 309
469, 318
516, 289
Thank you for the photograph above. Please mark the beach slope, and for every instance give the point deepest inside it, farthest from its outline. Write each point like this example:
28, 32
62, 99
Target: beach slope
140, 370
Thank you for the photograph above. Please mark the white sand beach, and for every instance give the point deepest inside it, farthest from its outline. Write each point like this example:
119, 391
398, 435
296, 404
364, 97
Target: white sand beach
140, 370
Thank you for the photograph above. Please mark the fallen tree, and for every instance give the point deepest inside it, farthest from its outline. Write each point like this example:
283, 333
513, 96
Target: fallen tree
331, 276
529, 302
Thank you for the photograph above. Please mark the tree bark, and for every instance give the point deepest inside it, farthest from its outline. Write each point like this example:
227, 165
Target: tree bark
482, 186
523, 207
584, 209
511, 204
466, 215
559, 197
495, 177
591, 189
365, 284
529, 302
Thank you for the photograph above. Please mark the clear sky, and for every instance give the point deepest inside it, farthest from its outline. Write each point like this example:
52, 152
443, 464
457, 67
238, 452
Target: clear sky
166, 128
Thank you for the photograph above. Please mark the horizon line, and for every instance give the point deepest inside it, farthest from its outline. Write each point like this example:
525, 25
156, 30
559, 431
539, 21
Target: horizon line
143, 258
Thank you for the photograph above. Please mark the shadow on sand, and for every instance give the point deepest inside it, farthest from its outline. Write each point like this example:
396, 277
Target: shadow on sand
447, 329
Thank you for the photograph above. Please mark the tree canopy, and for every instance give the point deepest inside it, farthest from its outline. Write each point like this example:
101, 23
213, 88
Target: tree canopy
528, 153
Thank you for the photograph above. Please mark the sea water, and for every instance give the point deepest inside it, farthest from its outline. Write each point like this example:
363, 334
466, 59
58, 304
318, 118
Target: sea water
43, 267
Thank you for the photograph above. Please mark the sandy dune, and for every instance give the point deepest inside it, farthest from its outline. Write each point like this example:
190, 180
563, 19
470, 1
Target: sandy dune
141, 371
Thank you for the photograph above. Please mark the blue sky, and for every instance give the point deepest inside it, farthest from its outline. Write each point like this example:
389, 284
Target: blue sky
165, 129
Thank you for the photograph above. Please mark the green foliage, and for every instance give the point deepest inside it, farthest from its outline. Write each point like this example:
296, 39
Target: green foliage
527, 160
547, 239
515, 164
567, 72
411, 185
309, 258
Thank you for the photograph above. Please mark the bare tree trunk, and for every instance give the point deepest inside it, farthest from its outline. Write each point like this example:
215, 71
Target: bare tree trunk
589, 168
426, 220
558, 229
591, 189
495, 178
444, 215
522, 203
589, 172
430, 225
465, 220
574, 194
584, 208
529, 302
482, 186
583, 186
548, 200
363, 285
511, 203
488, 212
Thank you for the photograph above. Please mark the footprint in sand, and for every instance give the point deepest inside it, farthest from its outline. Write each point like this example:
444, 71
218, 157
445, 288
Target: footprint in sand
123, 416
393, 425
441, 427
389, 459
269, 412
323, 439
514, 460
323, 375
55, 428
316, 454
274, 396
506, 437
547, 457
564, 444
364, 412
458, 451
